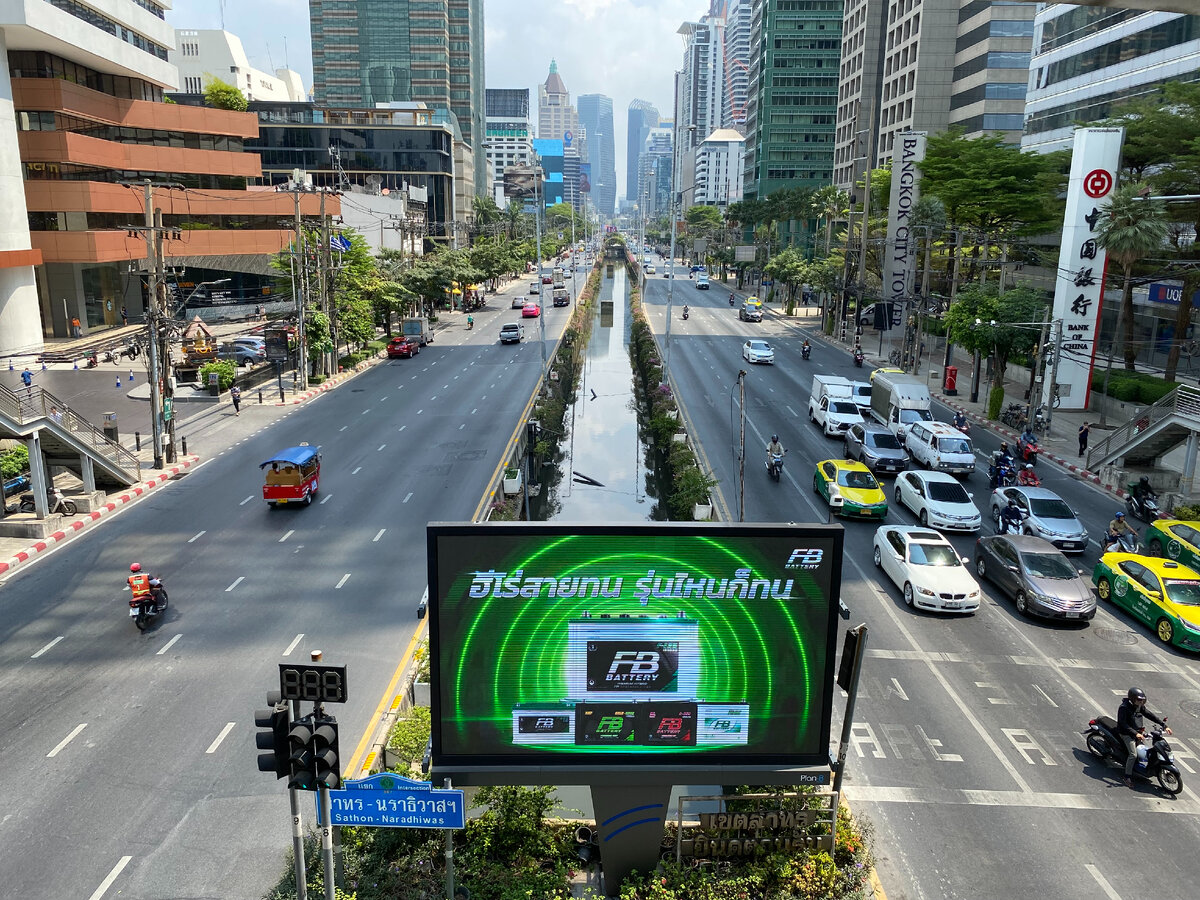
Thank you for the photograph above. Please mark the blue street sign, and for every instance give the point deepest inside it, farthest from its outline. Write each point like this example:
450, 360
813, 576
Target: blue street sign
767, 282
387, 800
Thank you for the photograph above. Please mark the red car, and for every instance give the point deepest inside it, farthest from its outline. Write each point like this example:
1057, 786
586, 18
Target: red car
530, 311
547, 279
404, 346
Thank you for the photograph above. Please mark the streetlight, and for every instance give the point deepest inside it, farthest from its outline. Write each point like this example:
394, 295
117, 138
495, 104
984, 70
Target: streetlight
671, 262
196, 289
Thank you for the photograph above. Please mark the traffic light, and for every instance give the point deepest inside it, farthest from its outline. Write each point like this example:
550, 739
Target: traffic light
275, 738
325, 752
300, 756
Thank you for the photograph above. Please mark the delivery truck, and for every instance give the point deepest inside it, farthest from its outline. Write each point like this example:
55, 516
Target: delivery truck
898, 400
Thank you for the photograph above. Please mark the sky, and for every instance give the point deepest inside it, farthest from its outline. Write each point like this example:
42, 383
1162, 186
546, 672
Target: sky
626, 49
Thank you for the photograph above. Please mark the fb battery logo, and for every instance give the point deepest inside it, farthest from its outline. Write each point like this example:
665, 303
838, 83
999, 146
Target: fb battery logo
633, 666
805, 558
641, 667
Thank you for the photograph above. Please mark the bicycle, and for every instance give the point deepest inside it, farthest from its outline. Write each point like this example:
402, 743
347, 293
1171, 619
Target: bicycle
894, 357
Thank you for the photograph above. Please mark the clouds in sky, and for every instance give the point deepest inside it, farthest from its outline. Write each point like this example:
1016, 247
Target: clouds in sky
626, 49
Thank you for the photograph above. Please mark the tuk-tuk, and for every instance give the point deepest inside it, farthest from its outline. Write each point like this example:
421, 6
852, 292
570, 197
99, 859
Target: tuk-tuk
292, 475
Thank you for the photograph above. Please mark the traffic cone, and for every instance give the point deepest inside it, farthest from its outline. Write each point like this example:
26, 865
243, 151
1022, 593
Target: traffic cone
118, 381
76, 365
131, 375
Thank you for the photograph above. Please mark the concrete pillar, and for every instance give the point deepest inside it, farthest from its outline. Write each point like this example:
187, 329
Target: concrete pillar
1188, 480
37, 474
88, 472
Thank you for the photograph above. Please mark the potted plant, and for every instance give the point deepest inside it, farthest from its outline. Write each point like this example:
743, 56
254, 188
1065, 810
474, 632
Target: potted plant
512, 480
691, 494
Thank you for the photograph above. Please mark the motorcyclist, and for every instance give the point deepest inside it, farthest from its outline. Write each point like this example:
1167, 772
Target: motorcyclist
1028, 438
805, 348
1116, 528
139, 584
960, 420
685, 311
1131, 728
470, 321
1010, 518
1003, 455
1143, 492
1027, 477
774, 449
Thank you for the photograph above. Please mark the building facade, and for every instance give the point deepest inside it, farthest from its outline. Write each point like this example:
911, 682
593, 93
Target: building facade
718, 170
596, 117
369, 52
509, 139
550, 156
640, 118
204, 54
735, 61
557, 118
655, 170
991, 68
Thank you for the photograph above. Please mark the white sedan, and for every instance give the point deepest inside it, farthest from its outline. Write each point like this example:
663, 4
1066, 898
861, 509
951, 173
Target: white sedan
938, 500
758, 352
925, 566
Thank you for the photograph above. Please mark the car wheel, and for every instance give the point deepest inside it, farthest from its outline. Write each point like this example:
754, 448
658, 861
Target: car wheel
1104, 589
896, 494
1154, 548
1022, 603
996, 515
924, 517
878, 557
980, 567
1165, 631
908, 594
816, 488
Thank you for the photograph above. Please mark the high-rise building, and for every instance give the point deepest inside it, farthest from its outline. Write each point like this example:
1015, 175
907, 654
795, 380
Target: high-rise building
792, 95
596, 117
699, 86
1086, 61
655, 170
642, 116
991, 68
368, 52
202, 54
557, 118
736, 62
718, 170
509, 141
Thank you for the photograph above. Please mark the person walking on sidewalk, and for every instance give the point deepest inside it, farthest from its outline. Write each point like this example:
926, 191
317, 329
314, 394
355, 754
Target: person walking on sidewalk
235, 394
76, 328
1083, 438
124, 317
27, 380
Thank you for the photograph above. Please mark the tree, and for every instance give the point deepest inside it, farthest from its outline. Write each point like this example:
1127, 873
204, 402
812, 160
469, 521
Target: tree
485, 209
222, 95
1130, 228
790, 269
832, 204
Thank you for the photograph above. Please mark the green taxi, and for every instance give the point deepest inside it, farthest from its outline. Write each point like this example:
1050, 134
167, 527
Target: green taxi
1159, 592
1175, 539
850, 489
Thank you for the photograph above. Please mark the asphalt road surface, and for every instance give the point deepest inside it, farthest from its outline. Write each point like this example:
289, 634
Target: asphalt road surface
966, 751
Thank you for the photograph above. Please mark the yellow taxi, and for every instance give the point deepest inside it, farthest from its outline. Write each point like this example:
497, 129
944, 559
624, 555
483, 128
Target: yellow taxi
850, 489
885, 370
1175, 539
1161, 593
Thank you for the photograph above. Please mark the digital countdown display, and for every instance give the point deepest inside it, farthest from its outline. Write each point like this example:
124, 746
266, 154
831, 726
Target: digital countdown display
697, 647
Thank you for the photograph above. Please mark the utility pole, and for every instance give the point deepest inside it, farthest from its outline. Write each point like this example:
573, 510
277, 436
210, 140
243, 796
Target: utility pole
741, 378
326, 268
163, 337
862, 257
1039, 357
152, 311
924, 299
953, 290
537, 227
1058, 339
298, 291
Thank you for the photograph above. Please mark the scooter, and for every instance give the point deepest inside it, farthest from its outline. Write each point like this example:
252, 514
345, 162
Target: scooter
805, 351
965, 427
775, 465
1121, 543
1027, 477
470, 324
1001, 475
1028, 453
149, 606
1004, 526
58, 503
731, 298
1147, 510
685, 313
858, 358
92, 362
1155, 761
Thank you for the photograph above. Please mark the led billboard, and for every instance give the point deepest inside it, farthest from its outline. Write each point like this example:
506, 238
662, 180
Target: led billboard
567, 651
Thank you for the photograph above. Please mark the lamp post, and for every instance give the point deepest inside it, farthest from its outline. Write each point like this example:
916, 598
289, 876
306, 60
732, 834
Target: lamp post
671, 262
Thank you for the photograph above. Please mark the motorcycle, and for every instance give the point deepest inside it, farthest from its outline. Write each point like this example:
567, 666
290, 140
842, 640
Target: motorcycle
1001, 474
470, 324
1028, 478
92, 362
858, 358
731, 299
965, 427
775, 465
1153, 762
1013, 415
685, 314
149, 606
1147, 510
805, 351
58, 503
1028, 452
1005, 526
1121, 543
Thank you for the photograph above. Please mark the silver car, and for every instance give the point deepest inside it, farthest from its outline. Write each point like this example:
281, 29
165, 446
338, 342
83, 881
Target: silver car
1045, 515
876, 448
1037, 576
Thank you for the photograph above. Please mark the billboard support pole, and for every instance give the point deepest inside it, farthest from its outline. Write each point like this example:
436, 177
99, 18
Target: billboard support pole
859, 641
449, 853
741, 377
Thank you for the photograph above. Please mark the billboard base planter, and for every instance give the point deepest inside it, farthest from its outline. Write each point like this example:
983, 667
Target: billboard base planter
702, 512
512, 481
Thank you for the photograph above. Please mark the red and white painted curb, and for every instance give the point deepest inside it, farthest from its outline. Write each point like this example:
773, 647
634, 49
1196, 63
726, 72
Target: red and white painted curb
331, 382
86, 519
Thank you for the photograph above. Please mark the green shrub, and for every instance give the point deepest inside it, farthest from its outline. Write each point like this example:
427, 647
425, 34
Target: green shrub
1151, 390
407, 740
1187, 513
14, 461
1126, 390
226, 373
995, 401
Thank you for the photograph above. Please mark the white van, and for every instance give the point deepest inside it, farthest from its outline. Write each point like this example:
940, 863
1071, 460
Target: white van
941, 447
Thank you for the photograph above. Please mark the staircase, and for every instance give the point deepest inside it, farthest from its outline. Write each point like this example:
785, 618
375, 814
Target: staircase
1151, 432
65, 436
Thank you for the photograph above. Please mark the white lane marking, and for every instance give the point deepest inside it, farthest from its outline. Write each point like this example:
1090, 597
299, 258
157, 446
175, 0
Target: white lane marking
1046, 696
343, 428
899, 690
365, 411
286, 535
212, 748
792, 411
356, 470
1102, 881
407, 497
475, 410
197, 535
70, 737
241, 578
327, 498
168, 645
292, 646
1015, 799
110, 878
419, 411
484, 397
381, 446
247, 500
345, 578
378, 536
462, 426
402, 427
47, 647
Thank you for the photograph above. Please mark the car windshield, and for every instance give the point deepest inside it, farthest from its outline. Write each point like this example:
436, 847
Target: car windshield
1185, 593
908, 416
1048, 565
933, 555
953, 445
843, 408
759, 345
1045, 508
883, 440
862, 390
860, 480
948, 492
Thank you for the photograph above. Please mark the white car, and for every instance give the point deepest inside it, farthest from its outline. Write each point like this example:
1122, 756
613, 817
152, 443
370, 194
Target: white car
926, 567
758, 352
939, 500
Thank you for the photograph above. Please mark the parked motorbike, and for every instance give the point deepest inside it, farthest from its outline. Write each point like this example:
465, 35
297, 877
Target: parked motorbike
775, 465
146, 608
1153, 762
58, 503
1013, 415
1147, 510
92, 362
858, 358
805, 351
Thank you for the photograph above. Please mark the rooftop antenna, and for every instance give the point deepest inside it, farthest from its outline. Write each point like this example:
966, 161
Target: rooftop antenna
221, 3
286, 63
270, 58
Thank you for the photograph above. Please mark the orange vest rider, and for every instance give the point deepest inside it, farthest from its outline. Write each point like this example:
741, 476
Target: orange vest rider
139, 581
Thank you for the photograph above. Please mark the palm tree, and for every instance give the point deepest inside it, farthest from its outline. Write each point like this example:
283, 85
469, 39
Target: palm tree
513, 216
831, 204
1131, 228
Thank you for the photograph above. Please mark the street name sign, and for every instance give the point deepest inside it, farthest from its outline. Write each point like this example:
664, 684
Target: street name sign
387, 800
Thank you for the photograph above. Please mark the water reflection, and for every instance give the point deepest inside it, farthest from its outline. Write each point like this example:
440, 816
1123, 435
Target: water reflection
601, 467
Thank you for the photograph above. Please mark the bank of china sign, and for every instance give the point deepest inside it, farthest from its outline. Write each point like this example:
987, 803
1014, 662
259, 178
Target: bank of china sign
900, 260
1079, 288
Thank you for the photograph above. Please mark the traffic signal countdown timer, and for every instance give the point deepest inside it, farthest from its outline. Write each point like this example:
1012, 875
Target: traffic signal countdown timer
304, 751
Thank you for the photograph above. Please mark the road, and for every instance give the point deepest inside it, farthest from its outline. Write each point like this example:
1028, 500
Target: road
965, 752
130, 758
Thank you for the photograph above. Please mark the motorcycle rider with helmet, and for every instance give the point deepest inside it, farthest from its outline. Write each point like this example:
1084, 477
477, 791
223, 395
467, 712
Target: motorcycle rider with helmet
1010, 518
1027, 477
140, 585
1131, 728
960, 420
774, 449
805, 349
1117, 527
1143, 492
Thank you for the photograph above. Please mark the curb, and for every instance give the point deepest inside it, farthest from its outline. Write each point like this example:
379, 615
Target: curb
332, 382
87, 518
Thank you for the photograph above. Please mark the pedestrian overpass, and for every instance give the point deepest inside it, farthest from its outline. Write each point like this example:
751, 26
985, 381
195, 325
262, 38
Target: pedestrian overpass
1151, 432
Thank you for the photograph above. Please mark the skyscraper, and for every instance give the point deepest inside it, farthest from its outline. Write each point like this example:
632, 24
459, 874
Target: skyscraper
736, 62
642, 117
509, 142
367, 52
596, 117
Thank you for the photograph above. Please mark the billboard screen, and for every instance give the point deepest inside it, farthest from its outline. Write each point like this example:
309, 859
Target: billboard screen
568, 651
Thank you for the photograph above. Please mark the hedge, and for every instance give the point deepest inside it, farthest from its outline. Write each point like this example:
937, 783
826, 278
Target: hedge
1133, 387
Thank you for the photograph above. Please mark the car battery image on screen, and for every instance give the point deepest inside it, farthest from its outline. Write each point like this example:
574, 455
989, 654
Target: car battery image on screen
544, 725
722, 723
630, 658
667, 724
605, 724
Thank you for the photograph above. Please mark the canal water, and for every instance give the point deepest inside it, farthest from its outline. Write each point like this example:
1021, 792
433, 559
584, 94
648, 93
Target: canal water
602, 466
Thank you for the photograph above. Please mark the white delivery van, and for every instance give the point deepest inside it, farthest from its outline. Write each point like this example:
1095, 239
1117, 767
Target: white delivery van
899, 400
940, 447
832, 406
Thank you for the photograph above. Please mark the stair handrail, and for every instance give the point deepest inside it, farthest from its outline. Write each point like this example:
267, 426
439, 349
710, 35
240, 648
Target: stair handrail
25, 405
1183, 401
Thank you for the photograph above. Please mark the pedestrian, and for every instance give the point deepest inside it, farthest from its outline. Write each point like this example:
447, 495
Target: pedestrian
27, 379
76, 328
55, 414
235, 394
124, 317
1083, 438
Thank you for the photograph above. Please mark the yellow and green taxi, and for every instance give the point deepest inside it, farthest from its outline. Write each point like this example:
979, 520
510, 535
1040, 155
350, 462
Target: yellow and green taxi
1159, 592
850, 489
886, 370
1175, 539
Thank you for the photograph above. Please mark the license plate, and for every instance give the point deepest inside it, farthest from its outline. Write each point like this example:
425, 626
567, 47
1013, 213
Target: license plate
133, 611
1072, 615
952, 604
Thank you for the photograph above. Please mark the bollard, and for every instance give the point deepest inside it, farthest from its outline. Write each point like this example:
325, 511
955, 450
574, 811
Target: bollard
137, 441
43, 365
76, 365
260, 397
183, 445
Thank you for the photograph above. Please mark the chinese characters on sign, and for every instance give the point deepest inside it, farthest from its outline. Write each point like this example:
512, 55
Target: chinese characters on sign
1079, 289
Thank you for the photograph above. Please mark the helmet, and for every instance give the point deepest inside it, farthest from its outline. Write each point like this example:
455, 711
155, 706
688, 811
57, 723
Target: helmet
1004, 446
1136, 694
1144, 480
1029, 466
1012, 502
1120, 515
774, 439
136, 567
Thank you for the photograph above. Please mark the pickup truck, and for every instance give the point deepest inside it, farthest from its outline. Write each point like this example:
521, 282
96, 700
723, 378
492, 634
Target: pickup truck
511, 333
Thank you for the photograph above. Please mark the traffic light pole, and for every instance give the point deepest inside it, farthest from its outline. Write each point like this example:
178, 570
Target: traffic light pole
298, 830
327, 842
